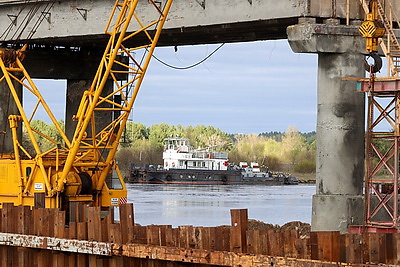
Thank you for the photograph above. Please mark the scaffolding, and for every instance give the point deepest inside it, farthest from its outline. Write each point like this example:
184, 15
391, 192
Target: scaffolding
383, 131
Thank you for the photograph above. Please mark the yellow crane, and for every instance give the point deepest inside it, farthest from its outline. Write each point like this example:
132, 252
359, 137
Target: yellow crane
82, 169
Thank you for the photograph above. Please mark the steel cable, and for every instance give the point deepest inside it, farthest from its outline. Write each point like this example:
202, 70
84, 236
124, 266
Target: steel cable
190, 66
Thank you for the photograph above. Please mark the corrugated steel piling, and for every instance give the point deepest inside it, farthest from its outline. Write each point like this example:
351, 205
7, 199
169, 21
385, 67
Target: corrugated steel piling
91, 237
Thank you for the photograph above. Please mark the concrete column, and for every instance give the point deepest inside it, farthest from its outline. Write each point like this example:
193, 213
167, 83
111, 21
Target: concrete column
338, 201
75, 89
340, 143
8, 107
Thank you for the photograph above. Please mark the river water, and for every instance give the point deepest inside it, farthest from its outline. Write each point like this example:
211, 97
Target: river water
209, 205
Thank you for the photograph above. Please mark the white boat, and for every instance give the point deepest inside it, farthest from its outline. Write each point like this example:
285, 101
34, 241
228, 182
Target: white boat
253, 171
184, 164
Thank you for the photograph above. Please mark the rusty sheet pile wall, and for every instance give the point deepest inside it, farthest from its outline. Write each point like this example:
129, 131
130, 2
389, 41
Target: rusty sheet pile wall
43, 237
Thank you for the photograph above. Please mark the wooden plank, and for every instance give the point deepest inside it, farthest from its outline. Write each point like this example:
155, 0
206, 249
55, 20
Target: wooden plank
7, 255
327, 246
365, 248
239, 221
66, 257
108, 235
59, 227
169, 241
314, 245
218, 238
72, 232
153, 235
226, 234
302, 246
82, 234
59, 224
23, 224
396, 244
191, 238
94, 227
39, 200
343, 243
94, 230
140, 234
46, 228
353, 243
262, 246
22, 221
205, 238
175, 236
253, 241
39, 222
390, 249
196, 237
127, 222
289, 240
105, 223
335, 246
183, 237
163, 234
382, 247
274, 243
115, 236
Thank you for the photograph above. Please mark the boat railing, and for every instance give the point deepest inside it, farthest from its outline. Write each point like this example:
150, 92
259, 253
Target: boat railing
210, 155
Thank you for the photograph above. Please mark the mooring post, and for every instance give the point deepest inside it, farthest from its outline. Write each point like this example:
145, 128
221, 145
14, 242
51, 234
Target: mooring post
239, 219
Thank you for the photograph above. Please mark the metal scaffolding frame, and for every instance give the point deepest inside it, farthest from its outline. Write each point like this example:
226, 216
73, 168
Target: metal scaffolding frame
382, 152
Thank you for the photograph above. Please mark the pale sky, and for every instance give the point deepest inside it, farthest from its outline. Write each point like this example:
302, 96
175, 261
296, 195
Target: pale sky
243, 88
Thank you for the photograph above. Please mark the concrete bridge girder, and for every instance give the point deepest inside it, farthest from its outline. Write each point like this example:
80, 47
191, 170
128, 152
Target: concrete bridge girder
189, 22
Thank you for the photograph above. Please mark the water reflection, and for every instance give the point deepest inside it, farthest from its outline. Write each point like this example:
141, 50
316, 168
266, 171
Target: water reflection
209, 205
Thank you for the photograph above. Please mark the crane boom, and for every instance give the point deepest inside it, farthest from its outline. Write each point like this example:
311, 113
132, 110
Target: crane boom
105, 141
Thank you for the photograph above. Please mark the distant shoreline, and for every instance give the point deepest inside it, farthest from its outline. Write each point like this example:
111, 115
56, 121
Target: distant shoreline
305, 178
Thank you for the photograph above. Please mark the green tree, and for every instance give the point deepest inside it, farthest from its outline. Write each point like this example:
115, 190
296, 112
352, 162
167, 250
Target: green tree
158, 132
133, 133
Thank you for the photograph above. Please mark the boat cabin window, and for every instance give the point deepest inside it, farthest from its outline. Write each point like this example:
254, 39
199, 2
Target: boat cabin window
194, 163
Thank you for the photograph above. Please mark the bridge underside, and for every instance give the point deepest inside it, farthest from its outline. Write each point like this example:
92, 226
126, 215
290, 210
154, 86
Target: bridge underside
221, 33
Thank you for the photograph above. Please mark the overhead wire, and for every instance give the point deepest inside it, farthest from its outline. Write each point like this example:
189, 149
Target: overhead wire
42, 16
190, 66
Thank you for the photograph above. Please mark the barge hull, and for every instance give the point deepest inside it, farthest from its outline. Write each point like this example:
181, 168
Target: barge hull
206, 177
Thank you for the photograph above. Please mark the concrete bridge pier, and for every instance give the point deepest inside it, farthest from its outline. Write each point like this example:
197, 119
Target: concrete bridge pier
79, 69
338, 201
75, 90
8, 107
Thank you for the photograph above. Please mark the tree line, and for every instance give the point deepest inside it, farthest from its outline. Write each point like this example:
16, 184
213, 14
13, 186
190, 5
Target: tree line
290, 151
140, 145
